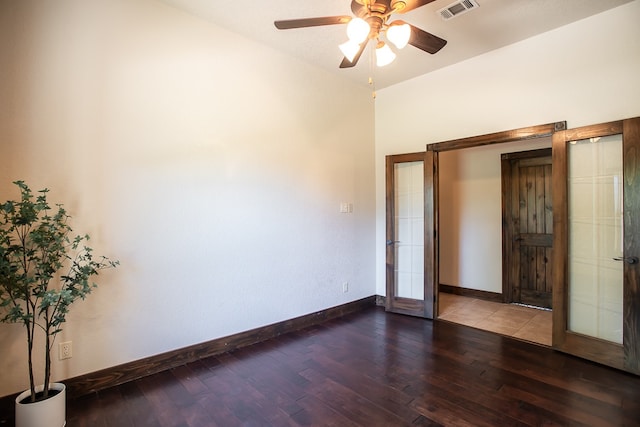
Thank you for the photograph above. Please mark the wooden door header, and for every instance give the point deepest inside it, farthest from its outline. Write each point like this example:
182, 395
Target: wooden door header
531, 132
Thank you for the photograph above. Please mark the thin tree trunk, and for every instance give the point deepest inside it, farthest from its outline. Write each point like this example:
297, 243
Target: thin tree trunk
30, 333
31, 311
47, 362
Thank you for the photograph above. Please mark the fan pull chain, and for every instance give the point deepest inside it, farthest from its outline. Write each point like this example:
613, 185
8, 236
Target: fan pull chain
372, 69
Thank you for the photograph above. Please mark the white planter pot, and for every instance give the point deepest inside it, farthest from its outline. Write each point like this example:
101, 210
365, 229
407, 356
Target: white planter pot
47, 413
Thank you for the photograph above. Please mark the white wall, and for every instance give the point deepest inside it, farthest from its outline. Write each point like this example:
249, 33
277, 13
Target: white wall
584, 73
211, 166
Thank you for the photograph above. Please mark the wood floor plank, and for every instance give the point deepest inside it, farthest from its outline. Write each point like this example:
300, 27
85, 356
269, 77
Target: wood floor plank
219, 413
571, 405
109, 399
316, 413
372, 387
156, 389
139, 409
189, 380
371, 369
476, 392
349, 402
271, 381
248, 405
85, 411
274, 408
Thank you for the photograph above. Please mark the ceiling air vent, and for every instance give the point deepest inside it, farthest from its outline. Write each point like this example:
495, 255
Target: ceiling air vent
456, 9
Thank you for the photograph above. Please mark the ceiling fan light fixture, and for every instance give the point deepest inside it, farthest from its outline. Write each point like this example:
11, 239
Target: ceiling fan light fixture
372, 20
358, 30
384, 54
399, 34
349, 49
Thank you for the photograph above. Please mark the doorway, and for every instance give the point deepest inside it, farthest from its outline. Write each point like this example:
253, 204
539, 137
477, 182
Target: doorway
470, 234
527, 235
466, 232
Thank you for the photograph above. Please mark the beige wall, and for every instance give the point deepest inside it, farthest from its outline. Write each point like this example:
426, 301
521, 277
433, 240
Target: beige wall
211, 166
584, 73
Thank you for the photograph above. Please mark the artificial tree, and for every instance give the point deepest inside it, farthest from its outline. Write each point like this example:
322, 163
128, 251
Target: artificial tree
43, 270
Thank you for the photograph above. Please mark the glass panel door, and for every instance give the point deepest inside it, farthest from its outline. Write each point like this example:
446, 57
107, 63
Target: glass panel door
596, 237
407, 290
409, 229
596, 271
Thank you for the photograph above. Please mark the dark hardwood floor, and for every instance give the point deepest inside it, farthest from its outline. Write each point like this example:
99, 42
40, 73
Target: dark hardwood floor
373, 369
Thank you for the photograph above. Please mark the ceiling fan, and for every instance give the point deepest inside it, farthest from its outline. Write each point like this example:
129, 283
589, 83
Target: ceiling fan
372, 20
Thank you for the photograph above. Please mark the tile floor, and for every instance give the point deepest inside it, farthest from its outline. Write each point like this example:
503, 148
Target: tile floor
525, 323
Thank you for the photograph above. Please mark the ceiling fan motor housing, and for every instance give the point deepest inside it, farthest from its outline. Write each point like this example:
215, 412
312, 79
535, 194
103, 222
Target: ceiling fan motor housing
376, 14
391, 5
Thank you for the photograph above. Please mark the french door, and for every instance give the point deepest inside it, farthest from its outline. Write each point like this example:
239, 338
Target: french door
408, 291
596, 291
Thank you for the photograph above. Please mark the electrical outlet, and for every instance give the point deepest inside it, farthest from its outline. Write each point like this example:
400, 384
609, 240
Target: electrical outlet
65, 351
345, 287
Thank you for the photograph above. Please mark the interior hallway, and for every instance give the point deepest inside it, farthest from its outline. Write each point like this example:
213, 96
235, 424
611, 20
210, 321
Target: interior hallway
525, 323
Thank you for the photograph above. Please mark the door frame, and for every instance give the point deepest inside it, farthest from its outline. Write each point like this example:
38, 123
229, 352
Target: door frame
508, 229
431, 244
413, 307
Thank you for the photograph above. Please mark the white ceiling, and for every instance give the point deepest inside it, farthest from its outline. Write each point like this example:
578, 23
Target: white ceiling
494, 24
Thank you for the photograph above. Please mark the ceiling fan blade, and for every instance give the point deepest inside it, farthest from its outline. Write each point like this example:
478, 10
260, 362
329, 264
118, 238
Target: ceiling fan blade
288, 24
414, 4
425, 41
348, 64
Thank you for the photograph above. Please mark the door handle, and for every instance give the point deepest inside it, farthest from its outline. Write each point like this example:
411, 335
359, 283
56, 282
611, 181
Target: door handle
391, 242
628, 260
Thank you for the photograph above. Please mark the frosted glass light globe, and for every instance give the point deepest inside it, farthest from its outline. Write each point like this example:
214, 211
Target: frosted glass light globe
358, 30
399, 35
384, 55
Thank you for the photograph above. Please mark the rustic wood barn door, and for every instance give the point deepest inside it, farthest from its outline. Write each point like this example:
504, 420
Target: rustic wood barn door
528, 227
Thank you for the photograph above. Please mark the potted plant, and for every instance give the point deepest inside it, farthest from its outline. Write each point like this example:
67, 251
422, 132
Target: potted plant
43, 270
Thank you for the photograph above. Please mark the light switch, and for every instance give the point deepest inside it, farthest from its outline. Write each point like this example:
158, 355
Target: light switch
346, 207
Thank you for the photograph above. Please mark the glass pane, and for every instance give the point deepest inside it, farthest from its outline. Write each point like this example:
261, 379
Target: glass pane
409, 229
595, 237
